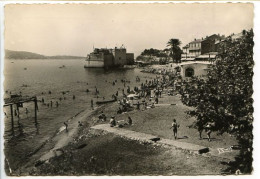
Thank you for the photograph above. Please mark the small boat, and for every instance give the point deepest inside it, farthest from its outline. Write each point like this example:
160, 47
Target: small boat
107, 101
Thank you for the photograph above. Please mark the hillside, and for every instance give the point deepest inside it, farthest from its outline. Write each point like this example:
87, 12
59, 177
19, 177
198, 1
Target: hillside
10, 54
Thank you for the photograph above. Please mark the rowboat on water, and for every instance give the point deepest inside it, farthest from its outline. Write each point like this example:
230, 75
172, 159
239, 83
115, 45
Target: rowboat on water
107, 101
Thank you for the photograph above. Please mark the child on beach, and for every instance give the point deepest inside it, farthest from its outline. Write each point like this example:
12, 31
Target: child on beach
208, 130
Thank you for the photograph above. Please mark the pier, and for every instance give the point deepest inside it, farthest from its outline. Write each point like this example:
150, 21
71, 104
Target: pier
17, 101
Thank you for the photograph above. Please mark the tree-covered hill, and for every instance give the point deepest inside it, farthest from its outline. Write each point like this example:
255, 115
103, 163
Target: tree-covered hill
10, 54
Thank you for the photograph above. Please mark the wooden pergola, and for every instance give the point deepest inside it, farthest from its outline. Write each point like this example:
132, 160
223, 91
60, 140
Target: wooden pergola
17, 100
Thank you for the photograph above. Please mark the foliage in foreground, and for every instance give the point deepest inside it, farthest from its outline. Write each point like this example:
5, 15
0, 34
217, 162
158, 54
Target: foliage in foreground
225, 97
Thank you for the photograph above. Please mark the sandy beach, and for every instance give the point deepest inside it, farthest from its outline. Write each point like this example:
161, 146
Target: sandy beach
83, 151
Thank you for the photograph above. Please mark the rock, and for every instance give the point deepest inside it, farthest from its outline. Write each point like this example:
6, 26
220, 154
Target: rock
39, 162
155, 139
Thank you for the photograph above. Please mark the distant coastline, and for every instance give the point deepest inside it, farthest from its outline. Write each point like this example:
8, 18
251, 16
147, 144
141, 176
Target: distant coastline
18, 55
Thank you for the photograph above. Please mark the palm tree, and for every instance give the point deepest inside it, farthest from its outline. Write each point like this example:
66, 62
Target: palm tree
175, 50
173, 43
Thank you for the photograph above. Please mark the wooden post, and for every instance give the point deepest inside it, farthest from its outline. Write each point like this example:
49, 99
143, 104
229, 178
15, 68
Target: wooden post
18, 113
35, 110
12, 116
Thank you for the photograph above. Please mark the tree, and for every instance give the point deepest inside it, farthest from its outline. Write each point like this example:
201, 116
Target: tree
225, 97
175, 50
154, 52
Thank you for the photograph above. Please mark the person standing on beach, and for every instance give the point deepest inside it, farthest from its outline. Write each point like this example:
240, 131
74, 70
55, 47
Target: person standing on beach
208, 130
66, 126
130, 121
138, 105
5, 115
160, 93
156, 100
175, 128
26, 112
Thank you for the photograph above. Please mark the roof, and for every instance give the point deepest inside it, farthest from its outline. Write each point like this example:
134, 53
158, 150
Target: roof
195, 62
196, 41
212, 37
236, 36
207, 56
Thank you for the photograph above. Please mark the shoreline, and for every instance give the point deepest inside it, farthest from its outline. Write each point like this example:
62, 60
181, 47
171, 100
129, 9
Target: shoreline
62, 144
58, 140
33, 141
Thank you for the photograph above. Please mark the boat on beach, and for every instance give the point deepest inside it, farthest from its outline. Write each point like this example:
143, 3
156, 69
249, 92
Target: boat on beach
105, 102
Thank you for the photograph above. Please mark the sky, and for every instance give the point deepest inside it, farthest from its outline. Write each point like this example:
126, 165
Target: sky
74, 29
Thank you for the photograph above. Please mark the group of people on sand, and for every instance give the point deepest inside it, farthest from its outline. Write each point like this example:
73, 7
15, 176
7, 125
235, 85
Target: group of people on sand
113, 121
157, 85
207, 127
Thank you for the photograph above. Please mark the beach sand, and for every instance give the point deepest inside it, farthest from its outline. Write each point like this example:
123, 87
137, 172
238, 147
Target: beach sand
82, 151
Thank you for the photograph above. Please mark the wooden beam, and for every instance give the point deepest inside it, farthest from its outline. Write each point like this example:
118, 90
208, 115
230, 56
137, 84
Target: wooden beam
12, 116
35, 110
18, 113
21, 101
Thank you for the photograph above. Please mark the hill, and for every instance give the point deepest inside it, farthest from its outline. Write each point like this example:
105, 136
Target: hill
10, 54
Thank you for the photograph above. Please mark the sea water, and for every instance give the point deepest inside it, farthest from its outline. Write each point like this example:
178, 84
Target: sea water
58, 81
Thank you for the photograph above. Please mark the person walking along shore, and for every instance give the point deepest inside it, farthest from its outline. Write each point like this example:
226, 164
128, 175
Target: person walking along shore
175, 127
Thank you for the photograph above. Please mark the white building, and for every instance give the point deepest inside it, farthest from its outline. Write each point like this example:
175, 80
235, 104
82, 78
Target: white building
194, 68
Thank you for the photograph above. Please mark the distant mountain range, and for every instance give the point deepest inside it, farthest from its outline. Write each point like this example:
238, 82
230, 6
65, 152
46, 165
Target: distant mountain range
10, 54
